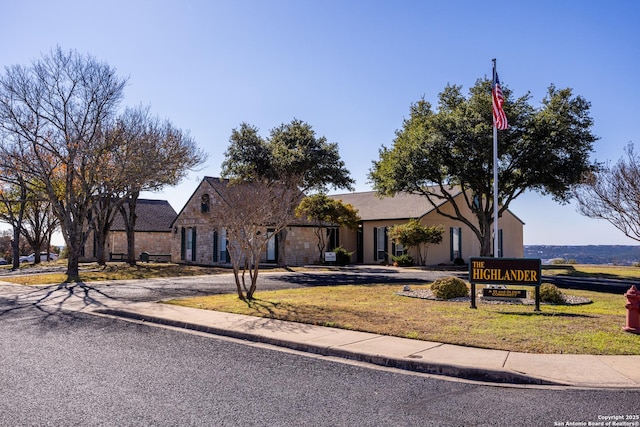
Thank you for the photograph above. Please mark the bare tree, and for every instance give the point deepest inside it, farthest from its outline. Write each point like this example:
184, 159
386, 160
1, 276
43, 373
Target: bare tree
39, 224
54, 114
13, 202
252, 213
612, 193
148, 154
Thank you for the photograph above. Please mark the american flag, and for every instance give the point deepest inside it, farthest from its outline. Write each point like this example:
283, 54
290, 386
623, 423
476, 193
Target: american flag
499, 118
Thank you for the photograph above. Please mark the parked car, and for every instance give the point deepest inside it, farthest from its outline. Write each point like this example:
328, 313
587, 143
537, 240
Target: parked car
3, 261
43, 257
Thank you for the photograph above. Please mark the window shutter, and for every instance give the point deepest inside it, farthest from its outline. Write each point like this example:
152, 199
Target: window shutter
183, 243
215, 245
193, 244
460, 242
375, 243
451, 245
386, 244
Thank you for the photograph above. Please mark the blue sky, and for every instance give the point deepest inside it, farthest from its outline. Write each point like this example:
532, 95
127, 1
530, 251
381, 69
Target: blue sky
351, 69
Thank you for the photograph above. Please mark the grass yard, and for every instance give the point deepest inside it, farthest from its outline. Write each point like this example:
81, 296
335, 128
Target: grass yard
579, 329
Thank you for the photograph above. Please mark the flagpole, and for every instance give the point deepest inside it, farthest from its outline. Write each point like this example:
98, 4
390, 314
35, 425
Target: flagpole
495, 176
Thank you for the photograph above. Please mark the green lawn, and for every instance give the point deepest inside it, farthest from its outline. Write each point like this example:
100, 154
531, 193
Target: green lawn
580, 329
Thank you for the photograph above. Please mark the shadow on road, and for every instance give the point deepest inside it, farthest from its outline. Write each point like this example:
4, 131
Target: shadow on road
52, 299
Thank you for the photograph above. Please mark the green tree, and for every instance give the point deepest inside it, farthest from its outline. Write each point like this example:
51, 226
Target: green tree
415, 235
290, 161
327, 213
446, 155
292, 153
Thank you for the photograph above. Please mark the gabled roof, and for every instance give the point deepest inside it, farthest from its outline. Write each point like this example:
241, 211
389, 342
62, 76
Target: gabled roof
372, 207
153, 215
219, 185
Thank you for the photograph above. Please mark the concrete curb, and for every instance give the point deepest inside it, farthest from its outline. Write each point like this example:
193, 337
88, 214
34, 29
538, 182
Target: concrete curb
449, 370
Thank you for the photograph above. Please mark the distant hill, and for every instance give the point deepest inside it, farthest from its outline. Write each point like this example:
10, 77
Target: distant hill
590, 254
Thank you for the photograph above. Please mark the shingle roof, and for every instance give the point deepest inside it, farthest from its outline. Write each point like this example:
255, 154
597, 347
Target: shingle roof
153, 215
220, 185
401, 206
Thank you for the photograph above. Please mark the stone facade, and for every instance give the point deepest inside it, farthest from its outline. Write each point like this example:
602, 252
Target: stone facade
153, 233
155, 243
197, 240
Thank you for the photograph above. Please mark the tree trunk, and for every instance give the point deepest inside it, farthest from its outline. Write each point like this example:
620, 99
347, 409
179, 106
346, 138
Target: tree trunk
74, 246
15, 247
130, 218
486, 248
101, 243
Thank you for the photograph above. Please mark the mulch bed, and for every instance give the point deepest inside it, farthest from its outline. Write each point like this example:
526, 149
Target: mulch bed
427, 294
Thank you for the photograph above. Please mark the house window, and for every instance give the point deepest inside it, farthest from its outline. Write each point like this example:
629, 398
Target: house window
190, 244
379, 243
500, 248
334, 238
205, 204
224, 255
397, 249
456, 243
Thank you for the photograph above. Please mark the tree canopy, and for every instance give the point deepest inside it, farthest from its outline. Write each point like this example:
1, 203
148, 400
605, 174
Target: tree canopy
326, 212
415, 235
291, 153
444, 153
275, 171
61, 130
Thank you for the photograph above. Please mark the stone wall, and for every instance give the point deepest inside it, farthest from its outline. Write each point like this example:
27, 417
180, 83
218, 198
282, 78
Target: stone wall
299, 247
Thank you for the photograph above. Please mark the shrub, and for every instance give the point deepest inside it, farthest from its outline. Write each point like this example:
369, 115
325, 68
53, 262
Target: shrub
459, 261
449, 287
343, 256
550, 293
404, 260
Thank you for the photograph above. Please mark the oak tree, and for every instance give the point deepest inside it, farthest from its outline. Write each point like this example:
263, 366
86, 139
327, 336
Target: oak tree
446, 154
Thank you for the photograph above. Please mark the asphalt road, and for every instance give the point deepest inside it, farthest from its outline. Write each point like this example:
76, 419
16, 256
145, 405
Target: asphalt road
64, 368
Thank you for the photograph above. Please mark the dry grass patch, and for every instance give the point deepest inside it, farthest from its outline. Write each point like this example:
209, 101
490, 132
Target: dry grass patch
585, 329
112, 271
589, 270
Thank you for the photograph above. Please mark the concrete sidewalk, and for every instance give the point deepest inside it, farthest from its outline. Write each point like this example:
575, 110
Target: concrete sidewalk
422, 356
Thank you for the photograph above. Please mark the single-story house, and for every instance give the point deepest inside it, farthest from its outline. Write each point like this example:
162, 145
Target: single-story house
371, 245
153, 233
197, 238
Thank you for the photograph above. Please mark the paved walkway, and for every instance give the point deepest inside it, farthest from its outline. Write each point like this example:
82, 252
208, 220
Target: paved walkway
423, 356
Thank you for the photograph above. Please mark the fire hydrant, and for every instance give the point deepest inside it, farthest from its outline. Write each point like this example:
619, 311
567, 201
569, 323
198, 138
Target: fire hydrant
633, 310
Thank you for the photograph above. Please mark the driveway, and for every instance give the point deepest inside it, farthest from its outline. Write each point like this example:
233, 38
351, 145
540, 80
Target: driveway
100, 294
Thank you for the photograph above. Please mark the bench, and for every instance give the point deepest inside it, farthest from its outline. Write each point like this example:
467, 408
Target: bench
147, 257
120, 256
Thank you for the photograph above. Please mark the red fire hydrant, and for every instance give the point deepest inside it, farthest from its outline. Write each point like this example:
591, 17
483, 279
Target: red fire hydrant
633, 310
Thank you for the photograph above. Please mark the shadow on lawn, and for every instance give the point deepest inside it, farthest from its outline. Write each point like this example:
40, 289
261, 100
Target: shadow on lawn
544, 314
